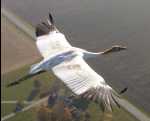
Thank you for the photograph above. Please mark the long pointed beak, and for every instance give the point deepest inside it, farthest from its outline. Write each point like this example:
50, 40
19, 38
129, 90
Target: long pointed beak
115, 48
118, 47
25, 77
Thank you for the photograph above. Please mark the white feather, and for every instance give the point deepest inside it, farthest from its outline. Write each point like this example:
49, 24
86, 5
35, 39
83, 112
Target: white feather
74, 72
52, 43
78, 75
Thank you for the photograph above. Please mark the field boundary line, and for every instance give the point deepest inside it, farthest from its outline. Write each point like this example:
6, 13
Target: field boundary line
20, 24
24, 109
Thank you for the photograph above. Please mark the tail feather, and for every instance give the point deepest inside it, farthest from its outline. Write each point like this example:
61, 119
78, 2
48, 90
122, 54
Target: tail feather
51, 18
46, 25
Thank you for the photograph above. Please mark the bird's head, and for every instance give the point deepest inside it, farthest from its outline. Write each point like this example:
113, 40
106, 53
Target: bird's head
118, 48
115, 48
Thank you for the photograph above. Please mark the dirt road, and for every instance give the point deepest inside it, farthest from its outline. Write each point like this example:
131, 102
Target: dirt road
18, 48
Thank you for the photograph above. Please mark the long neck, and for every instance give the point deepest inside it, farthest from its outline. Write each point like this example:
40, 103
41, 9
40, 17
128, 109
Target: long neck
88, 54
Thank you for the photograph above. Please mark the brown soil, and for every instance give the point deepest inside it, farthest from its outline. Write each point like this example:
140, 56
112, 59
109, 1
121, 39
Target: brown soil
17, 48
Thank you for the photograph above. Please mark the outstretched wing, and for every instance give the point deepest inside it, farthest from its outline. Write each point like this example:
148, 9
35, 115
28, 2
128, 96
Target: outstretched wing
84, 81
49, 39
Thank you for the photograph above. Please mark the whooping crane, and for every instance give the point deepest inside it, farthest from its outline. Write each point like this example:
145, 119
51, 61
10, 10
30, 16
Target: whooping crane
68, 64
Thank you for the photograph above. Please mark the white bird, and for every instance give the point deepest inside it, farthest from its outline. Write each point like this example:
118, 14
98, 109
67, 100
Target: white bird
68, 64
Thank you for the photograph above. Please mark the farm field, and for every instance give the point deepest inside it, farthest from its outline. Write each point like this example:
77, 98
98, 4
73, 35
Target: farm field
20, 92
125, 69
17, 48
129, 68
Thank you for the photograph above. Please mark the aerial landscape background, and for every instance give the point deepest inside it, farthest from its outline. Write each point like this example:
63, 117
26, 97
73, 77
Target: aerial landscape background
92, 25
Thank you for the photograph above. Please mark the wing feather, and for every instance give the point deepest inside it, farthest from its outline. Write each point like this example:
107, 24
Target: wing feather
75, 73
84, 81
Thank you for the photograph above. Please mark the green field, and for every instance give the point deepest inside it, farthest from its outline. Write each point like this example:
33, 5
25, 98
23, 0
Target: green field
20, 92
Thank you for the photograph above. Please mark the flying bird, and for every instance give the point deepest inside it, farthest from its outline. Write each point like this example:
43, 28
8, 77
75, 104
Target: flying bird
68, 63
